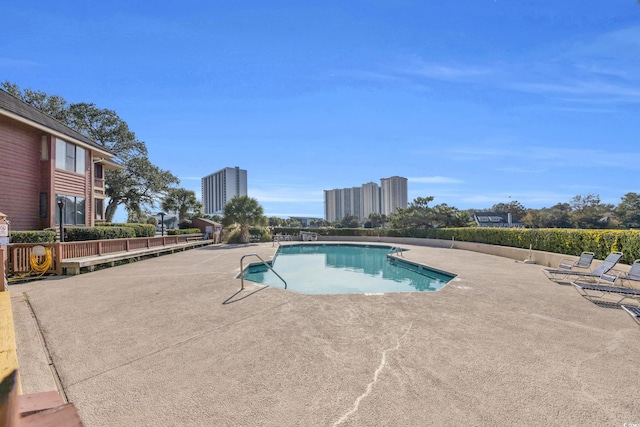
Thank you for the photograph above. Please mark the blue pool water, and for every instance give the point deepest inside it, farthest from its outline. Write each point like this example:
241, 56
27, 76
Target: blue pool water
345, 269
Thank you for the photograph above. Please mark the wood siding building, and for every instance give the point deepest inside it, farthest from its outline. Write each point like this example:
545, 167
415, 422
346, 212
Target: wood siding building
43, 161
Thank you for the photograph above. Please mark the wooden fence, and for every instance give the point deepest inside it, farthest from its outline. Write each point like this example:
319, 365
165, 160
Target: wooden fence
18, 261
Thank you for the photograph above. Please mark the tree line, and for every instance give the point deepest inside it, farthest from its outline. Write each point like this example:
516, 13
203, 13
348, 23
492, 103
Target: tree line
582, 211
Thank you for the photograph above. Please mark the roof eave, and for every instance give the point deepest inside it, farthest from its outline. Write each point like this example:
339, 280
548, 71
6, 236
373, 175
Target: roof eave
109, 164
55, 133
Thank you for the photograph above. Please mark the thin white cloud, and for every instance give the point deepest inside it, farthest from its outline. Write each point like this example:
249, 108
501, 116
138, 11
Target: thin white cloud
434, 180
286, 195
416, 66
446, 72
605, 67
586, 110
582, 88
623, 41
373, 76
522, 170
18, 63
574, 157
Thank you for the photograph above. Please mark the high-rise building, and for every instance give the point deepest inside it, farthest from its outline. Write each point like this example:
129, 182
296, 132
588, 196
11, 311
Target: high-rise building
370, 199
220, 187
351, 202
332, 205
366, 199
394, 194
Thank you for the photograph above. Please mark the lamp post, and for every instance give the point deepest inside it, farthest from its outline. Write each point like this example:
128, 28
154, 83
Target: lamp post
61, 208
162, 214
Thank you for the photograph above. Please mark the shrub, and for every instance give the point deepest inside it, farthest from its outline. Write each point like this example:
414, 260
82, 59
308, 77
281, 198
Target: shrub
262, 234
235, 236
175, 231
78, 234
140, 230
41, 236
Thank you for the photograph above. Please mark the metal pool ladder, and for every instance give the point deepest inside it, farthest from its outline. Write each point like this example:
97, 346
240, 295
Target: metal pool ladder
395, 250
266, 265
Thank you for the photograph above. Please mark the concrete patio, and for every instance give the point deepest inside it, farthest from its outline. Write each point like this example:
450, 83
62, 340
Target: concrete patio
171, 341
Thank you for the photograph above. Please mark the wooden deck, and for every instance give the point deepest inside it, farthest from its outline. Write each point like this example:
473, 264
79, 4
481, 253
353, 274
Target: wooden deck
73, 266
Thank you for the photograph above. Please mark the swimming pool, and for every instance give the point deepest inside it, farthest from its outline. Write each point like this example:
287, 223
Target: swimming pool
345, 269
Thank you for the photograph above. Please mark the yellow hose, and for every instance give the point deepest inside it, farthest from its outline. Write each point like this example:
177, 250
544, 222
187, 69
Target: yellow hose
41, 267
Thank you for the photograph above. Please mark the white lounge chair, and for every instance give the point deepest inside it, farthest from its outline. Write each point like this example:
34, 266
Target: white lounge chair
605, 286
633, 311
562, 273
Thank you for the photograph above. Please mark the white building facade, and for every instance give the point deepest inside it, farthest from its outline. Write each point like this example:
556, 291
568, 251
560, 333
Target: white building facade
370, 199
366, 199
222, 186
332, 205
393, 194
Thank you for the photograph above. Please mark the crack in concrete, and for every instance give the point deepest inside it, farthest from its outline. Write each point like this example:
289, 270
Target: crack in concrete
376, 374
45, 348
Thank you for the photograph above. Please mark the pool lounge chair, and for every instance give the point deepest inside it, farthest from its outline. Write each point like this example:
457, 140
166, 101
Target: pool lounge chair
633, 311
634, 272
566, 265
605, 286
562, 273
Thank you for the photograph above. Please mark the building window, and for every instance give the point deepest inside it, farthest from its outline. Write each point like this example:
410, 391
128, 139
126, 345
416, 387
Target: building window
99, 209
74, 210
69, 156
98, 171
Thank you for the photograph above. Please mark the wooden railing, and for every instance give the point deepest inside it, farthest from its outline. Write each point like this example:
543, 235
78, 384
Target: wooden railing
19, 253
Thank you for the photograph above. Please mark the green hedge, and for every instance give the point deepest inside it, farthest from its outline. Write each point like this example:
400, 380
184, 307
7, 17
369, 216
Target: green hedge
140, 230
556, 240
234, 236
263, 233
175, 231
43, 236
78, 234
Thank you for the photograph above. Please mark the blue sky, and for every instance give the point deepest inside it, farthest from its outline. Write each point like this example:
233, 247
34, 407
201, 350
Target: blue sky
475, 102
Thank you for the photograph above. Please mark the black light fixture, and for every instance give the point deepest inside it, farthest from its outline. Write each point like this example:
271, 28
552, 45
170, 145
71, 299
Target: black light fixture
61, 208
162, 214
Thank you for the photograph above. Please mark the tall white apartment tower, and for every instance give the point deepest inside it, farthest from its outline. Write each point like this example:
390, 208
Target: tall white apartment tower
394, 194
369, 199
222, 186
332, 205
351, 201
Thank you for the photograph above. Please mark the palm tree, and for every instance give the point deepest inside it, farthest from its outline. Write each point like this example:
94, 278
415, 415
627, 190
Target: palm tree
182, 201
244, 211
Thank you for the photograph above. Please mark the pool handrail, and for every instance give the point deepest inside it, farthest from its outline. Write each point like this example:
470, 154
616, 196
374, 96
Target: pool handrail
264, 262
395, 250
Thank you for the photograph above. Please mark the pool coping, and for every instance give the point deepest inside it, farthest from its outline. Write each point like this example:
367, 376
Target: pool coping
389, 255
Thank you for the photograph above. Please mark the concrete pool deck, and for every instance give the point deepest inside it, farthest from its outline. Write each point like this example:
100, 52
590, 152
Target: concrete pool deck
171, 341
